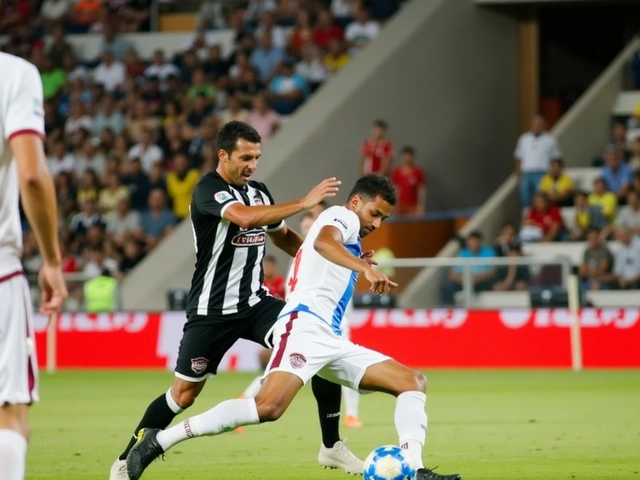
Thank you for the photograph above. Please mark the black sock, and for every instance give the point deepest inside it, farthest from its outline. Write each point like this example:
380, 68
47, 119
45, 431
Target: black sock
158, 415
328, 395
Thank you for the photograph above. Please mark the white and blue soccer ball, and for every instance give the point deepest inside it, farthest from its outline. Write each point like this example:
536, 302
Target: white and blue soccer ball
389, 463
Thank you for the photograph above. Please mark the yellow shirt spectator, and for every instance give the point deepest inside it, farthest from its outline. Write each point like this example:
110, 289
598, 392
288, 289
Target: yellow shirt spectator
335, 63
181, 189
562, 184
607, 202
109, 198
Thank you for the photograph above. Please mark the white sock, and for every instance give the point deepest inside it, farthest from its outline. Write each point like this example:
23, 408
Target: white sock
223, 417
175, 408
253, 388
411, 424
13, 451
351, 401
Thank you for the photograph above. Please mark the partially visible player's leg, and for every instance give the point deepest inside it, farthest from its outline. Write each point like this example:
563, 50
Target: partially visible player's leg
203, 345
351, 397
18, 370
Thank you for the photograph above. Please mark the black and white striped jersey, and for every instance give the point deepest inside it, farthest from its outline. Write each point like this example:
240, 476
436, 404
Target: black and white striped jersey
228, 275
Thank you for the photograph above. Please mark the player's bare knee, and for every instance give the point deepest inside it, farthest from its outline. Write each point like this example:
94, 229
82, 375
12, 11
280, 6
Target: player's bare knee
184, 396
420, 382
413, 381
268, 410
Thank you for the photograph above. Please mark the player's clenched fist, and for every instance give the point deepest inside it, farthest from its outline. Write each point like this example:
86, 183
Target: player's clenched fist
54, 289
327, 188
380, 283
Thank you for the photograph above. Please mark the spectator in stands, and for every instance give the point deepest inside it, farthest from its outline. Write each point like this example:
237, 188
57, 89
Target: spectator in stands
410, 183
13, 14
542, 222
482, 276
205, 137
272, 278
306, 222
506, 240
629, 215
158, 221
376, 153
247, 87
557, 185
288, 90
135, 17
137, 183
88, 217
113, 192
211, 15
181, 183
606, 201
160, 67
122, 223
263, 118
109, 74
596, 263
114, 43
54, 12
89, 158
620, 140
626, 266
89, 188
534, 152
78, 119
214, 65
84, 14
635, 182
311, 67
148, 152
302, 34
98, 262
53, 78
58, 46
256, 9
342, 11
382, 10
268, 26
133, 255
634, 159
336, 58
587, 217
66, 195
616, 174
326, 30
234, 111
60, 160
157, 180
202, 87
512, 277
361, 32
266, 58
108, 117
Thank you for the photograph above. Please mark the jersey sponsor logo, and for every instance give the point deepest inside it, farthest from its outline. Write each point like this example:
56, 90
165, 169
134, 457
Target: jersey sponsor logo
341, 222
222, 197
38, 109
257, 199
199, 365
297, 360
249, 238
621, 318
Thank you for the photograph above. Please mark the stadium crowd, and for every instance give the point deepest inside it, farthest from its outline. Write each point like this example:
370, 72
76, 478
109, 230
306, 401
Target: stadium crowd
128, 137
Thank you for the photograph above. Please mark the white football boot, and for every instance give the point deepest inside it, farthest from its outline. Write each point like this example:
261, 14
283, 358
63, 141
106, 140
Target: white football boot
340, 457
119, 470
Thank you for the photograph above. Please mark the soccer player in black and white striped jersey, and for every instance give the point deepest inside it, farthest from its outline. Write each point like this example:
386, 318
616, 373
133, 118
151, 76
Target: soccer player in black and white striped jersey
231, 216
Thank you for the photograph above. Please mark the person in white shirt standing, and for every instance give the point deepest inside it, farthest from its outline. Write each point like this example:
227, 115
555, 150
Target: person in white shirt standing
23, 172
534, 152
308, 338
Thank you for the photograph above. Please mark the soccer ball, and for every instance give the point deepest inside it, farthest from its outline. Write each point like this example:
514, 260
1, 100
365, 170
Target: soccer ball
388, 463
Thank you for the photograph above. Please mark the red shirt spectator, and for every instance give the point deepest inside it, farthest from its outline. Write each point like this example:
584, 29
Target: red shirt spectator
14, 13
272, 279
377, 151
326, 30
545, 216
411, 184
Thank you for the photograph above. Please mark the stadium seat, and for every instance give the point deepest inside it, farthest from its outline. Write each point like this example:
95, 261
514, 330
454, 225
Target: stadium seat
613, 298
583, 177
572, 250
569, 217
502, 300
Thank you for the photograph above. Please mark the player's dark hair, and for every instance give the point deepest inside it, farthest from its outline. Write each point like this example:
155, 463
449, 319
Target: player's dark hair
408, 149
559, 161
380, 123
270, 258
234, 131
370, 186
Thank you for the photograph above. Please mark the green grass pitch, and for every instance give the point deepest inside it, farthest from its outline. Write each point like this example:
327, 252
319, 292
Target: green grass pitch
487, 425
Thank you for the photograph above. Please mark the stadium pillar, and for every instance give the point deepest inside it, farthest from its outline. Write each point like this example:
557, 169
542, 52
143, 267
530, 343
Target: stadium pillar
529, 64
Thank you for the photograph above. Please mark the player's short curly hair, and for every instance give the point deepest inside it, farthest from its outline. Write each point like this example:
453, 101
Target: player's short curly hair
370, 186
234, 131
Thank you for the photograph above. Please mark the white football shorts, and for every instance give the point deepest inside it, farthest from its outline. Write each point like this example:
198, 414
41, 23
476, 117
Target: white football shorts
305, 346
18, 363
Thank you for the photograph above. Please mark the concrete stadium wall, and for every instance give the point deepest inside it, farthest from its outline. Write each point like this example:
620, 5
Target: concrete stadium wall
442, 73
581, 133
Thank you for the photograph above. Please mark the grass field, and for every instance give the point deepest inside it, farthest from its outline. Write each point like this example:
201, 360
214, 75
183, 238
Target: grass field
487, 425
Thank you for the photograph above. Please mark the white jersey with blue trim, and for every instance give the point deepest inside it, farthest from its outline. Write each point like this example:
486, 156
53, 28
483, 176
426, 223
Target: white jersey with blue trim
317, 285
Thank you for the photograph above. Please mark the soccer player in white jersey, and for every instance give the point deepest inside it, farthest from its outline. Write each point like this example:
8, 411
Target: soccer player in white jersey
23, 170
308, 338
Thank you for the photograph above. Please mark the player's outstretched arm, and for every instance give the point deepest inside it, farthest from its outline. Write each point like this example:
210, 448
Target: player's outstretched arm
328, 243
287, 240
260, 215
40, 206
